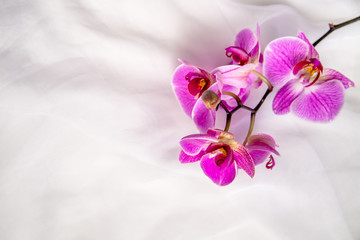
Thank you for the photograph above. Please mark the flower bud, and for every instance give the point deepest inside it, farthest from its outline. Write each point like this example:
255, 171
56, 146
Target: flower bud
210, 99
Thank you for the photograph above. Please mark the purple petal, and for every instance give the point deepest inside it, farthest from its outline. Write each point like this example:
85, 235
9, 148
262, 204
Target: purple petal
320, 102
203, 117
239, 55
185, 158
213, 171
281, 55
260, 146
234, 75
255, 52
330, 74
244, 160
216, 133
222, 154
253, 77
180, 86
246, 40
193, 144
259, 156
262, 142
286, 95
312, 51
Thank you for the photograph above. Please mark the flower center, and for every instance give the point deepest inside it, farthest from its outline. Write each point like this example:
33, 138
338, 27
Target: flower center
223, 151
239, 55
219, 162
198, 83
219, 152
308, 71
223, 154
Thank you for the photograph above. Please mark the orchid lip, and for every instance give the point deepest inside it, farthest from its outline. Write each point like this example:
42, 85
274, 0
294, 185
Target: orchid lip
198, 83
239, 55
309, 70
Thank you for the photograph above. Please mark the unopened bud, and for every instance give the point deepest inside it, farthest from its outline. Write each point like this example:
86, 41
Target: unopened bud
210, 99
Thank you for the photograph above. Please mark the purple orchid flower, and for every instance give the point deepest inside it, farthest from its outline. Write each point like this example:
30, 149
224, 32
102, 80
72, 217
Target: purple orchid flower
221, 156
190, 82
246, 51
309, 90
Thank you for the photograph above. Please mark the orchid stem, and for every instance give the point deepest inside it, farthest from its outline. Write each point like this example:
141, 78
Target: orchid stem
253, 113
238, 100
241, 105
333, 27
228, 116
228, 121
251, 127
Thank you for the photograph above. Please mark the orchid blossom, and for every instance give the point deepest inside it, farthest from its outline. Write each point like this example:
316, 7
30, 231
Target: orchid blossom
220, 155
246, 51
190, 83
309, 90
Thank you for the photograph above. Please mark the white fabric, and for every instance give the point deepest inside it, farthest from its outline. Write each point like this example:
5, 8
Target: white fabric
89, 125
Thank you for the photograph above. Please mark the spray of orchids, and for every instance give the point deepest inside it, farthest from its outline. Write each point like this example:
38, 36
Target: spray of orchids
291, 64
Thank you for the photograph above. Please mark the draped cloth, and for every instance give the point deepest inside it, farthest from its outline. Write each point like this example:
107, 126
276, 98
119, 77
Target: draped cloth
89, 124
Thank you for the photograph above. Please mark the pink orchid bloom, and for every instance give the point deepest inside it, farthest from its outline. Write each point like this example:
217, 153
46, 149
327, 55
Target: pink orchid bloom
247, 47
221, 156
309, 90
246, 51
190, 82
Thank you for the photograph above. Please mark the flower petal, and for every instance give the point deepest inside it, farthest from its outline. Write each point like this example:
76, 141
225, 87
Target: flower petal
330, 74
239, 55
216, 133
235, 75
285, 96
244, 160
192, 144
260, 146
180, 86
203, 117
254, 54
320, 102
259, 156
246, 40
185, 158
262, 142
254, 79
312, 51
280, 56
213, 171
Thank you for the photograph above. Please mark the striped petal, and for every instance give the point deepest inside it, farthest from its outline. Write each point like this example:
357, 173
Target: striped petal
285, 96
320, 102
280, 56
244, 160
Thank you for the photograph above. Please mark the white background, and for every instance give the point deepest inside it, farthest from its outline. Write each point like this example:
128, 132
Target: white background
89, 125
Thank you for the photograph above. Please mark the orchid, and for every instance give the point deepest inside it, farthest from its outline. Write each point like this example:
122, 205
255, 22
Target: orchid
246, 51
220, 155
190, 82
247, 47
309, 90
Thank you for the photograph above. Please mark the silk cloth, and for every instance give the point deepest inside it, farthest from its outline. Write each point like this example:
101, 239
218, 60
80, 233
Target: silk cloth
89, 125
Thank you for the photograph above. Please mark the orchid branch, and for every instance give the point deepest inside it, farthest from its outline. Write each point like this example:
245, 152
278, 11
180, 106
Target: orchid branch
228, 116
333, 27
241, 105
253, 114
